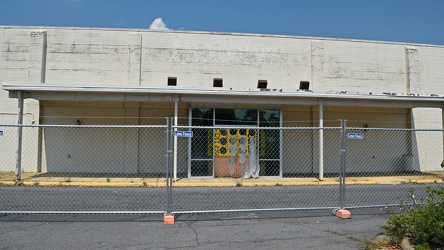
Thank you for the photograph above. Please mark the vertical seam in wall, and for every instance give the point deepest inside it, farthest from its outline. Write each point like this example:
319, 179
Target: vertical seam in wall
407, 70
311, 64
43, 69
140, 59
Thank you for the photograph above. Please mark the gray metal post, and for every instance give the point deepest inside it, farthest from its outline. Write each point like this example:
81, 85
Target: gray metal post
172, 166
176, 108
321, 141
18, 167
167, 166
343, 163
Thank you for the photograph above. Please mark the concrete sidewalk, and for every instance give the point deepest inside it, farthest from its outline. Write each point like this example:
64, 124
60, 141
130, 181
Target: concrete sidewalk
39, 179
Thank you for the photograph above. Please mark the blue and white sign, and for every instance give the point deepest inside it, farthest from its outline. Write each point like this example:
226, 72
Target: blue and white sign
183, 133
1, 132
355, 136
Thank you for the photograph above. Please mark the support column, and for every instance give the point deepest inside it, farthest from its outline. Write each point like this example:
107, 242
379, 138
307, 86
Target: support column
36, 74
427, 146
176, 107
321, 140
18, 168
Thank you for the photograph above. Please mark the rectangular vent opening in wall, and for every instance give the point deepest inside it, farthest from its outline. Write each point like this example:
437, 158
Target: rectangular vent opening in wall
172, 81
262, 84
218, 82
304, 85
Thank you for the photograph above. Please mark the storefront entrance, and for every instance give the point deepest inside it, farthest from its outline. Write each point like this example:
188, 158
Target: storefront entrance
238, 143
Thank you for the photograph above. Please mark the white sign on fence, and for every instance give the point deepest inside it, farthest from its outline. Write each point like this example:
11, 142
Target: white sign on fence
183, 133
355, 136
1, 132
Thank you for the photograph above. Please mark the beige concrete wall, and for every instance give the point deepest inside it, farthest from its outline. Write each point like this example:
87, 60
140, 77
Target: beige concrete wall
93, 57
153, 143
195, 59
358, 66
379, 151
297, 145
90, 57
108, 150
425, 69
147, 58
21, 60
427, 145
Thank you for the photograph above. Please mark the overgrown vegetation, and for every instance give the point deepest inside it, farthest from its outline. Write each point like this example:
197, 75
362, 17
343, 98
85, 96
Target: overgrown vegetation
422, 222
369, 244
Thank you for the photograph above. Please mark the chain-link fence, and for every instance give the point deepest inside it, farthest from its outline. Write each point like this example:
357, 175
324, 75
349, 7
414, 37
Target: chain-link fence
83, 168
129, 169
392, 161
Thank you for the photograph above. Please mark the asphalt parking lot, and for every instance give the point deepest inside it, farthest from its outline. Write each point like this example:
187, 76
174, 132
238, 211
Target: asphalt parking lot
313, 229
300, 229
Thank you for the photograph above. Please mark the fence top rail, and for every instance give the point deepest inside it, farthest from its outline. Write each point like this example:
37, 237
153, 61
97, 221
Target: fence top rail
80, 126
255, 127
396, 129
219, 127
310, 128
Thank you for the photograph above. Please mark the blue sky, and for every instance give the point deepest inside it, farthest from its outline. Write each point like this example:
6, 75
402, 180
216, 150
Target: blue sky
413, 21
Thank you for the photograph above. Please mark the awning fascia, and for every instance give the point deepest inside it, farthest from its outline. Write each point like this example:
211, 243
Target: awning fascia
220, 95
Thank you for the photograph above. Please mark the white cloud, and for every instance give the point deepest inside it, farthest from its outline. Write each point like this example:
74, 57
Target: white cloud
158, 24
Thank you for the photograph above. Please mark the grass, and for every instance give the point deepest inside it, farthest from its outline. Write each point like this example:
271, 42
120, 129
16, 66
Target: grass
19, 183
368, 244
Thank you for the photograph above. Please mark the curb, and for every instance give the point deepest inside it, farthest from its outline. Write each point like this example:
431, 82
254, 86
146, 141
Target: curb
160, 183
405, 244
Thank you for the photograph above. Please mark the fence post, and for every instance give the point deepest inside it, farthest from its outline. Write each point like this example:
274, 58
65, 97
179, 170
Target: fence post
343, 152
171, 164
321, 141
18, 168
168, 216
341, 212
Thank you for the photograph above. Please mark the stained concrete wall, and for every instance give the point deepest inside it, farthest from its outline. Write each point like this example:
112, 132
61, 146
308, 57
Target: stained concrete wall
147, 58
428, 145
91, 57
379, 151
108, 150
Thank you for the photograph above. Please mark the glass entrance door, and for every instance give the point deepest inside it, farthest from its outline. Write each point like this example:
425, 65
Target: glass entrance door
234, 145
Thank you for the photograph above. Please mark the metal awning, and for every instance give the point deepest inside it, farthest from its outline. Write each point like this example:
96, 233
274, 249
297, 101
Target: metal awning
41, 91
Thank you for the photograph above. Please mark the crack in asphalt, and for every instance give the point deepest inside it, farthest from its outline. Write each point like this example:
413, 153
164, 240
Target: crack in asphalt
190, 225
